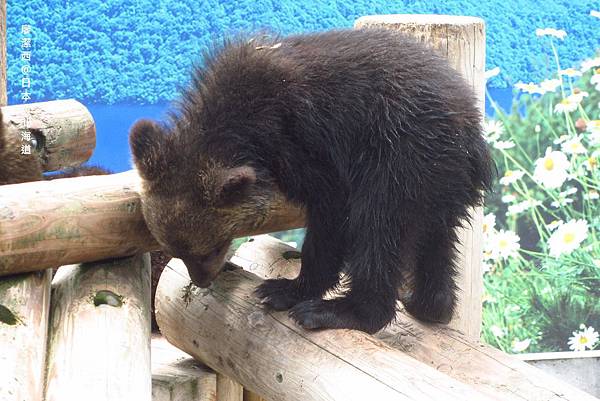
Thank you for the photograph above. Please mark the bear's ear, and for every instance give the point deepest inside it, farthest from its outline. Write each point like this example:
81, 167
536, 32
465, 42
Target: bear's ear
147, 142
234, 184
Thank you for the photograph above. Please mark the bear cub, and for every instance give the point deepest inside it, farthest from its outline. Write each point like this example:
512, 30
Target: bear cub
375, 135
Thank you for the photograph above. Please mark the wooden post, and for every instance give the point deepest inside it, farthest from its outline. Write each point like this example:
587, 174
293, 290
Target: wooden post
462, 41
226, 327
82, 219
24, 305
176, 376
64, 131
486, 369
99, 340
228, 389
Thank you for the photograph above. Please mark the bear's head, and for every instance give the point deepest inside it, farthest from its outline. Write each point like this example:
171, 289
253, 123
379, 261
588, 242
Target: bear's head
194, 204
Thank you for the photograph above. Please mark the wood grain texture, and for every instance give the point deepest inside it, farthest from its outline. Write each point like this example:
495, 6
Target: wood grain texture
176, 376
226, 327
228, 389
64, 130
82, 219
99, 339
24, 307
250, 396
462, 41
486, 369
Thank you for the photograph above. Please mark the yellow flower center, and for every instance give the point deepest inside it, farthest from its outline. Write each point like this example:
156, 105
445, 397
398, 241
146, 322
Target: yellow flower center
583, 340
508, 173
592, 162
565, 102
548, 163
568, 238
503, 244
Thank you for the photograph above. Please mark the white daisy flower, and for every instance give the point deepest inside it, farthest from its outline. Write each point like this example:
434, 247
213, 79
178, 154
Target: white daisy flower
557, 33
554, 224
530, 88
551, 170
511, 176
567, 237
587, 65
573, 146
570, 72
595, 13
550, 85
520, 346
502, 145
504, 244
586, 338
561, 202
570, 103
489, 74
522, 206
537, 128
489, 223
591, 195
593, 126
497, 331
508, 198
493, 129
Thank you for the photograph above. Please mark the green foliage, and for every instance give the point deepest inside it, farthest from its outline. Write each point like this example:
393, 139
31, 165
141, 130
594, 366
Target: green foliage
110, 51
542, 224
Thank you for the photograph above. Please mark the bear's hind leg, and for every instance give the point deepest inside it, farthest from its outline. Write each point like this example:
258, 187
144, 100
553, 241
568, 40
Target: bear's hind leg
322, 260
434, 292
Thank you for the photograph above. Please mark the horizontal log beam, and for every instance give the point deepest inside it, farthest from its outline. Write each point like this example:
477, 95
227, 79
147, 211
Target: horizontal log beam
226, 327
487, 369
63, 131
83, 219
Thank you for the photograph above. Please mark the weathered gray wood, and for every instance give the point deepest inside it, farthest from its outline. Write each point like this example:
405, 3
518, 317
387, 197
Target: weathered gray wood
485, 368
72, 220
227, 328
24, 305
64, 131
176, 376
462, 41
99, 340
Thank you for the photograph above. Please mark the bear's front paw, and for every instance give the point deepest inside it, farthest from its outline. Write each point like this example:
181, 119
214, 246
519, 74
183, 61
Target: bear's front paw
435, 308
278, 294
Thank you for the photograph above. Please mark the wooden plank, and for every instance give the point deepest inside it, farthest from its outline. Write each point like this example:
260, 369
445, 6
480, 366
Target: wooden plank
226, 327
250, 396
485, 368
24, 306
64, 131
228, 389
99, 340
462, 41
82, 219
176, 376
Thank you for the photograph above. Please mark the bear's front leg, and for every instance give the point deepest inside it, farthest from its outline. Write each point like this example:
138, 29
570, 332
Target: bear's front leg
322, 259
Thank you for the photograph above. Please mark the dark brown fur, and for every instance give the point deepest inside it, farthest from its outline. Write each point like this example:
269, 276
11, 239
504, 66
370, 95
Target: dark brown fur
375, 135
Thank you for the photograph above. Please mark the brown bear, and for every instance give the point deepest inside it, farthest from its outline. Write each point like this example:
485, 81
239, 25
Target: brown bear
375, 135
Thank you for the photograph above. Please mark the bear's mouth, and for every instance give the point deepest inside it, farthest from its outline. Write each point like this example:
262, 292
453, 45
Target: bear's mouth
203, 269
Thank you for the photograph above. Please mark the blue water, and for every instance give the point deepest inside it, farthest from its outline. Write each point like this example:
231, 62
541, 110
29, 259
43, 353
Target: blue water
113, 122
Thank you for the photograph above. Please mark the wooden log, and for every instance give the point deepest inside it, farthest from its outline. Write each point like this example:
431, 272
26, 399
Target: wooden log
99, 340
462, 41
63, 131
226, 327
250, 396
72, 220
228, 389
24, 306
487, 369
176, 376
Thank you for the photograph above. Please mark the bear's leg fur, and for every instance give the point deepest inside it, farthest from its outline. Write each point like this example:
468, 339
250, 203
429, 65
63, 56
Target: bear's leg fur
434, 291
322, 260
